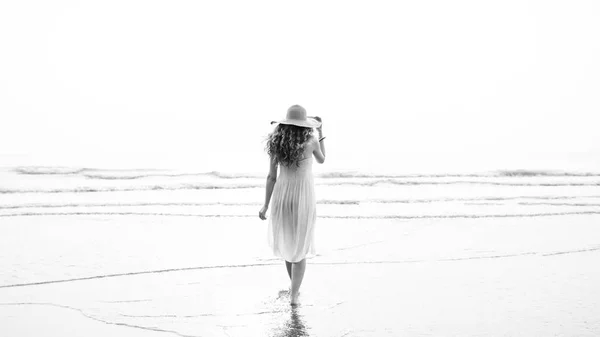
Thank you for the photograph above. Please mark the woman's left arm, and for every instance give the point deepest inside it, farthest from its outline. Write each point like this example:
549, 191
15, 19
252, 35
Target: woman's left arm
271, 179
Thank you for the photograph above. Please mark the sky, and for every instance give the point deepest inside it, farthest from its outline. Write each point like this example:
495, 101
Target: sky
398, 84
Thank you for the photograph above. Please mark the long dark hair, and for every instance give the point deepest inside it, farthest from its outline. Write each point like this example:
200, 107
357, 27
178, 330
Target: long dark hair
286, 143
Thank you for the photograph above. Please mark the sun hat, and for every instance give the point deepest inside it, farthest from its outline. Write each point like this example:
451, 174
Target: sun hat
296, 115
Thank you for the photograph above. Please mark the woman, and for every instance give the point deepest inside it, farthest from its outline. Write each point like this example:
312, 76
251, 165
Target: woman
291, 146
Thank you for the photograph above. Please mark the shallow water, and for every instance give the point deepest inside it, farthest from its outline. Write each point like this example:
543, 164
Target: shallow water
127, 252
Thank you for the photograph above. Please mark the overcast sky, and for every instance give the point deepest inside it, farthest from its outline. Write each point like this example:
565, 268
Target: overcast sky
96, 82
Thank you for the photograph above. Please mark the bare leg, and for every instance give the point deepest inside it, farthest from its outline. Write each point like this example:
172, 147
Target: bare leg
288, 266
298, 269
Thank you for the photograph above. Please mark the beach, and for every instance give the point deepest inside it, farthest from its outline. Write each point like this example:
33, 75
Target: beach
151, 253
460, 195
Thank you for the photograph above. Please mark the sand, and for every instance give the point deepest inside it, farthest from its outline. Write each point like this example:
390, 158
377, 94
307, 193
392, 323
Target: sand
131, 275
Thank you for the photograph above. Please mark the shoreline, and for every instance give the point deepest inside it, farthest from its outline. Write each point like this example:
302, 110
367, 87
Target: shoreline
467, 277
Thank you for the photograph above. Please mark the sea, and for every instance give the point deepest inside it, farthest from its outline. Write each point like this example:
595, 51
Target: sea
123, 196
46, 191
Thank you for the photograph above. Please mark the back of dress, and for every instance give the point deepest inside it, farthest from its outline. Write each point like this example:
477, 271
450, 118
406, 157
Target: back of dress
293, 211
301, 171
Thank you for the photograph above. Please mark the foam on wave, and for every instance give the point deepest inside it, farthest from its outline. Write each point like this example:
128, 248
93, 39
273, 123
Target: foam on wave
533, 200
542, 173
128, 174
47, 170
380, 217
370, 183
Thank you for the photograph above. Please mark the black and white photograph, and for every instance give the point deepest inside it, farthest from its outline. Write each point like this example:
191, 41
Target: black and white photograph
231, 168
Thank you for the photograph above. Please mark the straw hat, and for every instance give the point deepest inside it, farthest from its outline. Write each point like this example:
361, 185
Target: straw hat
296, 115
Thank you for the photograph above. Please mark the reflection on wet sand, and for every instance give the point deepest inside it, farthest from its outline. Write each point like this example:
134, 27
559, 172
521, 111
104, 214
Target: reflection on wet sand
293, 326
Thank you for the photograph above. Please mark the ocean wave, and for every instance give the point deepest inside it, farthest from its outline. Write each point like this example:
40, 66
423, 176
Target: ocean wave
130, 204
115, 174
131, 174
499, 173
459, 182
478, 199
373, 217
559, 204
90, 189
124, 174
542, 173
161, 204
372, 183
535, 200
47, 170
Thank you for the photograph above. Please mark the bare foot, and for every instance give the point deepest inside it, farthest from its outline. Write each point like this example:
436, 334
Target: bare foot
294, 299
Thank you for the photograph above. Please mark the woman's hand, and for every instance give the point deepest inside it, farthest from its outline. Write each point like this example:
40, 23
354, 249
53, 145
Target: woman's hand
317, 118
262, 214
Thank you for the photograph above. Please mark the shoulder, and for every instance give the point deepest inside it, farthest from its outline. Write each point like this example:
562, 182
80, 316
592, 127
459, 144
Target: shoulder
313, 141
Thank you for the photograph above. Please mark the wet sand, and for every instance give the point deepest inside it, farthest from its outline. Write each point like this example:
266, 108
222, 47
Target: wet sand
187, 276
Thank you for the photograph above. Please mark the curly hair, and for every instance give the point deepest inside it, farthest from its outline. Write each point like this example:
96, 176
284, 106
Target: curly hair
286, 143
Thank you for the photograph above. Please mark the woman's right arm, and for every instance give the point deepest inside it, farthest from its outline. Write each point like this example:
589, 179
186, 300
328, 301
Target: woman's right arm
319, 150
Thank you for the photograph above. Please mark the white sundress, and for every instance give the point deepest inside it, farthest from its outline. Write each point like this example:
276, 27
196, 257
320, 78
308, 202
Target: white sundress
293, 212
